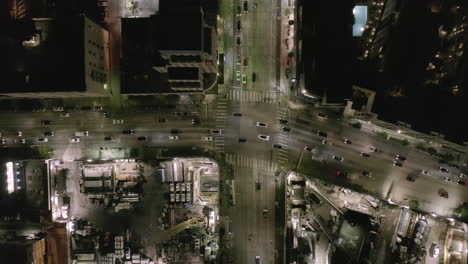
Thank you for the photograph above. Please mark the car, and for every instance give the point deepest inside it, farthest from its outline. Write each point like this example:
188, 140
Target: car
257, 259
244, 79
64, 210
324, 142
447, 179
461, 182
443, 194
396, 163
283, 121
64, 115
347, 141
291, 22
86, 108
278, 146
98, 108
365, 155
57, 109
236, 114
20, 140
242, 140
265, 213
108, 138
261, 124
49, 133
264, 137
411, 179
374, 149
306, 148
238, 61
4, 141
246, 7
45, 122
162, 120
238, 41
442, 169
106, 115
143, 138
322, 134
463, 176
341, 173
216, 131
286, 129
366, 173
102, 4
176, 131
174, 137
42, 109
434, 250
238, 76
425, 172
246, 62
19, 133
195, 121
400, 157
205, 138
128, 132
338, 158
117, 121
238, 11
74, 140
238, 26
127, 253
321, 115
258, 185
254, 76
43, 139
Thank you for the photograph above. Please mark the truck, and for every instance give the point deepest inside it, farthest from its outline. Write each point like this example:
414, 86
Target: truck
81, 134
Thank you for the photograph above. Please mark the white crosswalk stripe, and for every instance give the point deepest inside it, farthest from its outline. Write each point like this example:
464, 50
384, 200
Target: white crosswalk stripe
252, 96
220, 122
251, 162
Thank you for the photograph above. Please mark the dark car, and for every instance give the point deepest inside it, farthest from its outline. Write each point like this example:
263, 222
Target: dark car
236, 114
49, 133
142, 138
238, 41
365, 155
400, 157
238, 10
396, 163
238, 25
286, 129
366, 173
341, 173
162, 120
258, 185
86, 108
347, 141
443, 194
108, 138
176, 131
322, 134
321, 115
246, 6
442, 169
128, 132
242, 140
45, 122
196, 121
265, 213
461, 182
107, 115
278, 146
283, 121
254, 76
411, 179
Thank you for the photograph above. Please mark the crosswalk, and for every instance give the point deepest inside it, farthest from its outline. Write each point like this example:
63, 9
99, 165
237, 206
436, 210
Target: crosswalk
251, 162
220, 123
282, 137
252, 96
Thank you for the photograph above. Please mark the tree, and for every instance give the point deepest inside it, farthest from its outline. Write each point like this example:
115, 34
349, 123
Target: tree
405, 142
43, 152
413, 204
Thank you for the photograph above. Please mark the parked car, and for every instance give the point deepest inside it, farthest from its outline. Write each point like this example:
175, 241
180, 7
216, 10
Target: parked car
434, 250
242, 140
236, 114
74, 140
286, 129
264, 137
117, 121
278, 146
216, 131
321, 115
205, 138
57, 109
261, 124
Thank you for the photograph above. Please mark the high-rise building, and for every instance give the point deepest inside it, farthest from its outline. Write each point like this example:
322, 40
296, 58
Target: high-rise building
64, 57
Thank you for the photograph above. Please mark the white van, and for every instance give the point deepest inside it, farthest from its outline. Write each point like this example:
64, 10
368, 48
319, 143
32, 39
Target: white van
81, 134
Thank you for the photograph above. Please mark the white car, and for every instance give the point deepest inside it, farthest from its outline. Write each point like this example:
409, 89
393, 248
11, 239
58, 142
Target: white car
174, 137
207, 138
42, 139
74, 140
57, 109
261, 124
238, 76
338, 158
65, 211
216, 131
117, 121
244, 79
434, 250
462, 176
264, 137
64, 115
425, 172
